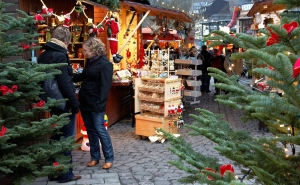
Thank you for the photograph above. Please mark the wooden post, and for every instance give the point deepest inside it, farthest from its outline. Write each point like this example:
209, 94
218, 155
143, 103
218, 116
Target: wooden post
131, 34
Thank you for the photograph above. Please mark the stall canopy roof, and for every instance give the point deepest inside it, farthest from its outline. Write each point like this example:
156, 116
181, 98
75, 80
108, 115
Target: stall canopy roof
94, 4
155, 10
265, 7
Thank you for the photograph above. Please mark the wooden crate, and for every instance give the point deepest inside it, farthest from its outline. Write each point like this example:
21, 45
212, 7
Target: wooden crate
146, 125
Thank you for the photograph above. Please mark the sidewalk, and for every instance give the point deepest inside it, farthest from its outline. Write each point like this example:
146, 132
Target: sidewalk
140, 162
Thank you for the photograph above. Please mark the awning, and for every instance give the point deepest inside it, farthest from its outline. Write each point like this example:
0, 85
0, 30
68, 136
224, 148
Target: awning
94, 4
155, 10
265, 7
172, 36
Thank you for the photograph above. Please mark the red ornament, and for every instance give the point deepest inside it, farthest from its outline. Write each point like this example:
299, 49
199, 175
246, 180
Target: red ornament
291, 26
5, 90
296, 68
55, 163
128, 53
3, 131
271, 41
226, 167
26, 47
212, 170
40, 103
14, 88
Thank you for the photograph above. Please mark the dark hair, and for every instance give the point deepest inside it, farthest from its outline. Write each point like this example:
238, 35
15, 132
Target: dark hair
204, 47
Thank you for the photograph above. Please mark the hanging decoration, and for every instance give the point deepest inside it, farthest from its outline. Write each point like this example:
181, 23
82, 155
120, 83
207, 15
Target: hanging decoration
223, 169
6, 90
178, 25
155, 29
3, 131
290, 26
113, 28
235, 13
128, 27
158, 20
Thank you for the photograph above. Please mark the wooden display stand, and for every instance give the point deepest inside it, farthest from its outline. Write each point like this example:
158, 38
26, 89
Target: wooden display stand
157, 96
146, 125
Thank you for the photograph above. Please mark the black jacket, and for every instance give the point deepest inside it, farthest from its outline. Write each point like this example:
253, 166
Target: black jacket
96, 80
64, 80
206, 61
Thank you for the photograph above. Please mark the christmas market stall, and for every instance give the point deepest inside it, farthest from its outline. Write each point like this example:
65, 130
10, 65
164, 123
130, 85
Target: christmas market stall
120, 29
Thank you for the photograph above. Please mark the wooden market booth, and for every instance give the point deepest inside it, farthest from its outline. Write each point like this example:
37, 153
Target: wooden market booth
121, 101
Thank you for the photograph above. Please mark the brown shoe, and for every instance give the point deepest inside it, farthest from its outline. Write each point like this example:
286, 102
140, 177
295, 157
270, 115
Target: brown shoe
92, 163
107, 165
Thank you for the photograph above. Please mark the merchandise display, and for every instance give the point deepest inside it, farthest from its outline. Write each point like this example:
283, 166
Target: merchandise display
161, 106
191, 80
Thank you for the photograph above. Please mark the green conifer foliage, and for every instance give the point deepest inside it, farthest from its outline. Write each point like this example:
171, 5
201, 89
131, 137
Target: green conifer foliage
263, 159
25, 150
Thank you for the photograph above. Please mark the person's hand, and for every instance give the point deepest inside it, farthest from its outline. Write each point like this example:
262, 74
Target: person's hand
75, 110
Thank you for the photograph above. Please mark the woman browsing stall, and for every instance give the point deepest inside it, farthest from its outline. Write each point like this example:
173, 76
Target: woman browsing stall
96, 80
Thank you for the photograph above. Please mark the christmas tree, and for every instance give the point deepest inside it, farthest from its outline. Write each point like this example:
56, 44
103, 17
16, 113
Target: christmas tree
275, 56
25, 150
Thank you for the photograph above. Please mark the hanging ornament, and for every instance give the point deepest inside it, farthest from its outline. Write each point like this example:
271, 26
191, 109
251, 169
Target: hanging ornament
296, 68
158, 21
39, 18
234, 16
3, 131
67, 21
128, 53
178, 25
155, 29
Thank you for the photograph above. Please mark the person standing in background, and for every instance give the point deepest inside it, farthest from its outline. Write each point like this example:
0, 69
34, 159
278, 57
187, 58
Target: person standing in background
96, 80
56, 52
217, 61
233, 66
205, 78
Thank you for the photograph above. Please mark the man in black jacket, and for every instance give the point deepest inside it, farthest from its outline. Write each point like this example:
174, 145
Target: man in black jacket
56, 52
205, 78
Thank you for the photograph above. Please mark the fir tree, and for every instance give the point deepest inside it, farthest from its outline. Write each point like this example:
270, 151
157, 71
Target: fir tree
276, 56
25, 150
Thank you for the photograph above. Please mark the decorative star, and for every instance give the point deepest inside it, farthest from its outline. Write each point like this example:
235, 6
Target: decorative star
155, 29
158, 20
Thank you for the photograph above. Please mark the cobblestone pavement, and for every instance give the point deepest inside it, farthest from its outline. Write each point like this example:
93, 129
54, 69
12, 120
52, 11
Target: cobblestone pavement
140, 162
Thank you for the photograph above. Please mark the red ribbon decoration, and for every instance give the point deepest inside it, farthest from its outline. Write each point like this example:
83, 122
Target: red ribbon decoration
5, 90
38, 104
55, 163
3, 131
210, 169
273, 39
290, 26
226, 167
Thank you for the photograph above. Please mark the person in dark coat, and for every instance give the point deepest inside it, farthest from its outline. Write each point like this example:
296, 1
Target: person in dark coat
56, 52
205, 78
217, 61
96, 79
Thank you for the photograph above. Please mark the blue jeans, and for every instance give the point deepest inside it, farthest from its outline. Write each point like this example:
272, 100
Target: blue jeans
66, 131
205, 81
94, 123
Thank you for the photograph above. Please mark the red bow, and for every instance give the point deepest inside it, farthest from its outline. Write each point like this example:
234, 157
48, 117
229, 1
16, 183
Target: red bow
291, 26
3, 131
273, 39
4, 89
38, 104
210, 169
25, 47
224, 168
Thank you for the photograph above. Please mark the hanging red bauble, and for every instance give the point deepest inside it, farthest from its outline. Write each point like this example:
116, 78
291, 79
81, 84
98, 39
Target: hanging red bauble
296, 68
3, 131
55, 163
271, 41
